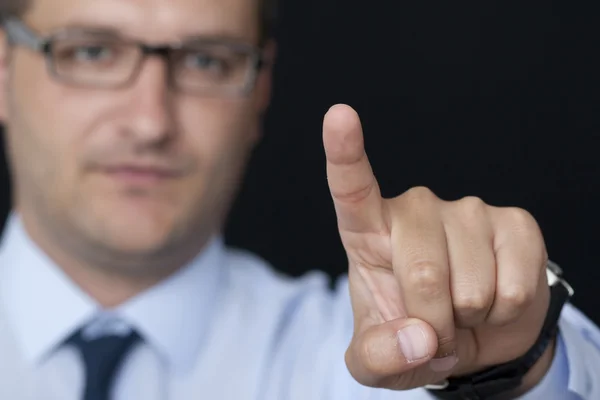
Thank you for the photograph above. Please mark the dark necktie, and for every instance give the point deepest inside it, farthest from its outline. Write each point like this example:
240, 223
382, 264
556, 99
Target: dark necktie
102, 358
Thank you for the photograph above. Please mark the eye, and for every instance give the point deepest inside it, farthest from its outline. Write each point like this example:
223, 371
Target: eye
202, 61
92, 53
87, 52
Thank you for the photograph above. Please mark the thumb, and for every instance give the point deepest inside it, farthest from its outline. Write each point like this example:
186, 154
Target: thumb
387, 355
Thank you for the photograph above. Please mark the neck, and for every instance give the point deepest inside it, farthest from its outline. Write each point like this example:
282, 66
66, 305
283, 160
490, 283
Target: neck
109, 290
109, 282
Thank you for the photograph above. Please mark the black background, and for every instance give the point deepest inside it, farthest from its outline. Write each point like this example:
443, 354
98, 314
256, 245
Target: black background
488, 98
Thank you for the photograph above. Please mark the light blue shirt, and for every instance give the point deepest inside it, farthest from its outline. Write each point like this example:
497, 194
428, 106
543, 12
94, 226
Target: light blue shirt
227, 326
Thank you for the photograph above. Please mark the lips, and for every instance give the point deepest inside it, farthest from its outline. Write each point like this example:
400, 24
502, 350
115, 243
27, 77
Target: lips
141, 174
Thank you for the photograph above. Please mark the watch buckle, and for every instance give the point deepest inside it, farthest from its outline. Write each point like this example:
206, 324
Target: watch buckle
553, 273
438, 386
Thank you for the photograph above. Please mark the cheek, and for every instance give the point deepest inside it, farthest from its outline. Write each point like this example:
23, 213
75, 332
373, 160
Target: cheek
46, 122
221, 129
222, 135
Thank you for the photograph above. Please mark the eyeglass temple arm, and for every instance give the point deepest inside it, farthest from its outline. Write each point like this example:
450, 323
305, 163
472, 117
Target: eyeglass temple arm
18, 33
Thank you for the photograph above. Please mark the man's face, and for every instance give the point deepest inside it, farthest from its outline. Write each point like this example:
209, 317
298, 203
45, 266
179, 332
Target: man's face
137, 170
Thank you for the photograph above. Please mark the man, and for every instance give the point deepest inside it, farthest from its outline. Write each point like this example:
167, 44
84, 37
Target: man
128, 125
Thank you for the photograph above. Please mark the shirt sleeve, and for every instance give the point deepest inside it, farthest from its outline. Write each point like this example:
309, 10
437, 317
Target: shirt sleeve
555, 384
581, 356
575, 371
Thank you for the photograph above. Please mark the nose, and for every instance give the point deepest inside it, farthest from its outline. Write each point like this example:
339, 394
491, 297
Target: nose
149, 112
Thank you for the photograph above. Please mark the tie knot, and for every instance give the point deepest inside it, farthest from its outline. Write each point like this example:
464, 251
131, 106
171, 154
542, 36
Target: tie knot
102, 357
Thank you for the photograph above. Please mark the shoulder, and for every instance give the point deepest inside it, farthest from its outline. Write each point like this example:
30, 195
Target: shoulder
252, 272
250, 269
312, 298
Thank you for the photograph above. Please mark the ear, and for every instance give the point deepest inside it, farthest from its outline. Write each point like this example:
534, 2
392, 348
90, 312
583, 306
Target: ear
264, 82
3, 75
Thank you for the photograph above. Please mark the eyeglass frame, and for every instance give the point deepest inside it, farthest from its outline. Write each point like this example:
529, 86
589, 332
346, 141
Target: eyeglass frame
18, 33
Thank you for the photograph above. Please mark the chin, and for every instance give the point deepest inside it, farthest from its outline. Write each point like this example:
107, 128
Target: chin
150, 226
134, 242
136, 232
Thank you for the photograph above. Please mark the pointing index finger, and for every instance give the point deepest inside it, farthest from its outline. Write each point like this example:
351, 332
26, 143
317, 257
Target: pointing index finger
353, 186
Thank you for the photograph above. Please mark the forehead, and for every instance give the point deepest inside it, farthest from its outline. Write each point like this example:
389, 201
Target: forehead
151, 20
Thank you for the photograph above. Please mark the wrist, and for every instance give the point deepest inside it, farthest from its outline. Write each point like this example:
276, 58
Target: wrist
539, 370
528, 382
514, 378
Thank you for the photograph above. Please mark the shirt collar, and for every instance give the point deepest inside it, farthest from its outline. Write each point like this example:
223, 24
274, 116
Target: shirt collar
44, 306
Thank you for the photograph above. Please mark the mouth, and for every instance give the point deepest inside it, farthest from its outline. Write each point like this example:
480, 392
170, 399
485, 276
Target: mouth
138, 175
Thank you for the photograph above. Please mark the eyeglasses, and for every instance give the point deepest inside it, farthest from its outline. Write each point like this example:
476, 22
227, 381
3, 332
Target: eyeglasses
96, 59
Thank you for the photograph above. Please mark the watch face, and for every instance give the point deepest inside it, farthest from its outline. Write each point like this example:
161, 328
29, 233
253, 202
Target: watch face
552, 266
553, 278
554, 275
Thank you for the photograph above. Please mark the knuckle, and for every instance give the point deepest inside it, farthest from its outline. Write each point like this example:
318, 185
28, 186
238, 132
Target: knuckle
447, 341
472, 302
419, 194
446, 346
515, 297
521, 219
471, 309
471, 207
426, 278
357, 195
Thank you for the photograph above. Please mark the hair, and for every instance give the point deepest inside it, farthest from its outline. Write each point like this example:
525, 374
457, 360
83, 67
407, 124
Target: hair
268, 18
268, 14
12, 8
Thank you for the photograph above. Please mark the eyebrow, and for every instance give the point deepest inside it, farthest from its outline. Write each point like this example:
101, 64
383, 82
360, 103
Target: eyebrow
87, 29
111, 31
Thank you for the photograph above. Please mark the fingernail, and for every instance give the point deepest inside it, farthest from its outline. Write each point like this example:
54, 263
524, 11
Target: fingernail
443, 364
413, 343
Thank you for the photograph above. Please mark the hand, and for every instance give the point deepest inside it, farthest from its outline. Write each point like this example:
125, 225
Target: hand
438, 288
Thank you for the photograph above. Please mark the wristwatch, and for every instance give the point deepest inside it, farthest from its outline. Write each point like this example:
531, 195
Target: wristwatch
501, 380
